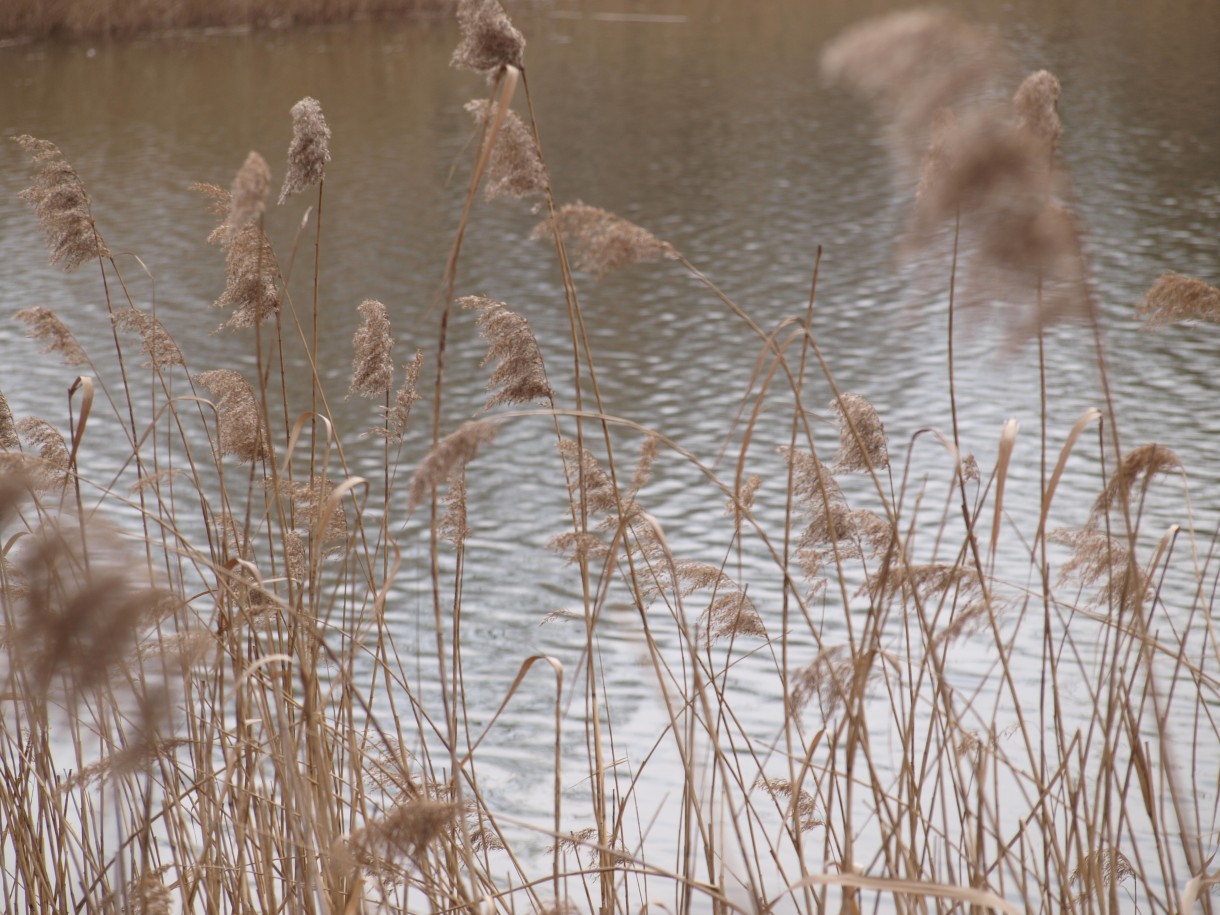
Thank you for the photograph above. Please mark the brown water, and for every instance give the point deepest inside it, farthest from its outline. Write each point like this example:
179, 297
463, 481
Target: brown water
706, 122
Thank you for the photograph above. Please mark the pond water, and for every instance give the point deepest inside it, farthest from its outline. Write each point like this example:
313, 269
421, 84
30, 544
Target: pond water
706, 122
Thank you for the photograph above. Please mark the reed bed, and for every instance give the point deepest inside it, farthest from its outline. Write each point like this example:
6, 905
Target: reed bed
206, 707
41, 19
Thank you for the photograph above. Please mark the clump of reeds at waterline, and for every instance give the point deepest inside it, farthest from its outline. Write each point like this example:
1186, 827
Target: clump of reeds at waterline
211, 709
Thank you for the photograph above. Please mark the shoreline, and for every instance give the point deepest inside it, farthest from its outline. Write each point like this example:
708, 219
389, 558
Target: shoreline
24, 22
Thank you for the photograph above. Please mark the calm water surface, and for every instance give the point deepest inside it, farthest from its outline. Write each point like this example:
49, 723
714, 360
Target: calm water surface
706, 122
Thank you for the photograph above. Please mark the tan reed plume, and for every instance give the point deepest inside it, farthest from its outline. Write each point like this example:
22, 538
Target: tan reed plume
456, 449
54, 465
862, 440
309, 150
1139, 465
398, 414
601, 241
519, 374
252, 274
829, 678
1105, 562
8, 429
47, 327
1175, 298
240, 426
59, 199
1098, 870
373, 360
454, 526
489, 41
1036, 103
800, 804
515, 168
248, 196
398, 840
155, 341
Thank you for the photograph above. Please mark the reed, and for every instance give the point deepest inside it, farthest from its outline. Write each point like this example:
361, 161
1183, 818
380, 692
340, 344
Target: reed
206, 706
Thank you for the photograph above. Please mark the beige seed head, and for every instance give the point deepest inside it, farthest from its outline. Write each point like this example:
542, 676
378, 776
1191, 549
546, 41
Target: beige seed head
240, 423
373, 362
46, 326
309, 150
515, 168
62, 204
601, 241
1175, 298
489, 41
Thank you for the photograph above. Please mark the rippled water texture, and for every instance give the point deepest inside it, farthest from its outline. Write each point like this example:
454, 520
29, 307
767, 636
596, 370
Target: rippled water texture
706, 122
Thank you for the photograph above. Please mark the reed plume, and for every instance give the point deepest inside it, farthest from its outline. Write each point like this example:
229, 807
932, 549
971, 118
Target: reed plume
53, 469
800, 804
489, 42
1139, 465
601, 241
62, 204
1104, 563
309, 150
1175, 298
458, 448
454, 526
829, 678
392, 843
515, 168
155, 341
398, 415
519, 374
373, 361
829, 521
587, 479
8, 429
248, 196
46, 326
862, 440
1098, 870
240, 427
1036, 103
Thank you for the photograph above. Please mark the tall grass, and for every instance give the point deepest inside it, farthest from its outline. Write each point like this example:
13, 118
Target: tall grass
205, 707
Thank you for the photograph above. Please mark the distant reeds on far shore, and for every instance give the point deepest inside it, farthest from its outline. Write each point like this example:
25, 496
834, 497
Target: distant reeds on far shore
41, 19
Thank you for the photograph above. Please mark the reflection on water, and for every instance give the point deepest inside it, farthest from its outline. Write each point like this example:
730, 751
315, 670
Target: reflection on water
705, 122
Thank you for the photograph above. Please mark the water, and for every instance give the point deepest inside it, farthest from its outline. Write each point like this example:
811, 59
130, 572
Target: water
707, 123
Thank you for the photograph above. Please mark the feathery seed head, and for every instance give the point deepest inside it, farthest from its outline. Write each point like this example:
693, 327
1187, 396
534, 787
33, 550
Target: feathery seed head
1175, 298
373, 362
248, 198
251, 280
456, 449
862, 441
59, 199
309, 150
802, 804
601, 241
54, 465
515, 168
398, 415
155, 340
1139, 465
1036, 103
46, 326
8, 429
240, 426
489, 41
519, 373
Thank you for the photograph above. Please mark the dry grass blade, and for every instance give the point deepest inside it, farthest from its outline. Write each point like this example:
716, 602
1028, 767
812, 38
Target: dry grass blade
239, 421
457, 449
47, 327
155, 341
59, 199
1175, 298
515, 168
862, 440
489, 41
373, 361
601, 241
519, 373
309, 150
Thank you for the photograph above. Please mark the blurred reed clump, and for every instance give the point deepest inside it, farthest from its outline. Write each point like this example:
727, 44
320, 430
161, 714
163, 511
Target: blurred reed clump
205, 707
